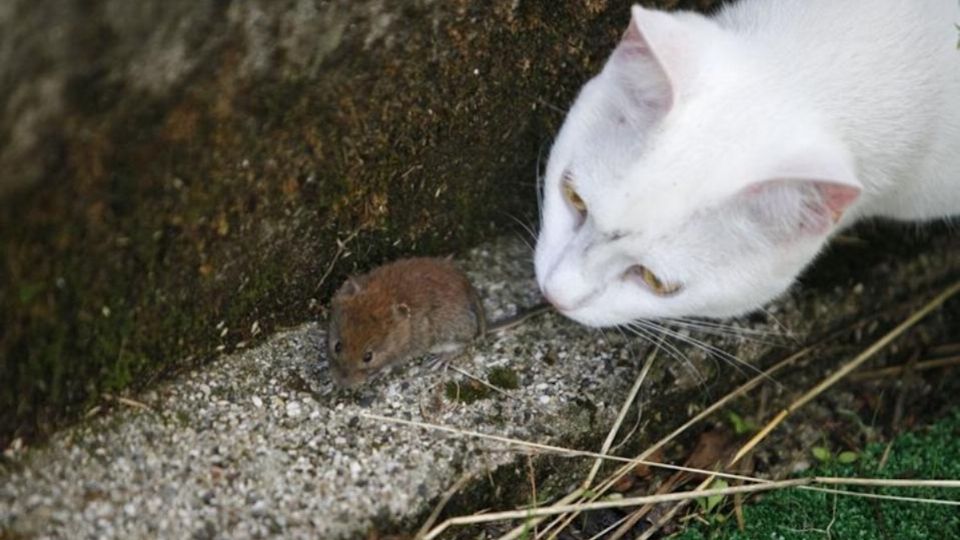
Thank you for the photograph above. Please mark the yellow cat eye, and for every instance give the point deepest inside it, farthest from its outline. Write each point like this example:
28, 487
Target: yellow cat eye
658, 286
573, 198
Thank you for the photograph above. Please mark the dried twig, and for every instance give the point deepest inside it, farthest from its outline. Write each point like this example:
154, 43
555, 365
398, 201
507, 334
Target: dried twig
547, 448
341, 247
127, 401
766, 375
741, 390
447, 495
913, 319
894, 371
699, 493
826, 383
473, 377
631, 396
616, 425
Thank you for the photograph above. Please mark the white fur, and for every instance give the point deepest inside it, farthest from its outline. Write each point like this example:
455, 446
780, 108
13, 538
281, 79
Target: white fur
707, 149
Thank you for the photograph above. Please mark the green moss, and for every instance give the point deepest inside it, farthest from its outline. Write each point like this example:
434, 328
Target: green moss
802, 514
183, 419
467, 392
504, 377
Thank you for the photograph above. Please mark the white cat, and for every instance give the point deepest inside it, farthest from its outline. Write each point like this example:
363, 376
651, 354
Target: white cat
712, 158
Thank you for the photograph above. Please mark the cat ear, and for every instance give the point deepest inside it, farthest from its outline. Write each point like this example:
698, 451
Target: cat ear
789, 208
803, 197
651, 55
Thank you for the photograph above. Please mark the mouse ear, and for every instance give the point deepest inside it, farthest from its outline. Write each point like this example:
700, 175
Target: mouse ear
401, 310
349, 288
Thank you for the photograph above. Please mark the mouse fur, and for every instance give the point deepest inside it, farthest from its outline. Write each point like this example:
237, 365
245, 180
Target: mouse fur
399, 311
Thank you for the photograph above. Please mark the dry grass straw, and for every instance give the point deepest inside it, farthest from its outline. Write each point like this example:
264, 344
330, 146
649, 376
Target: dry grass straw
893, 371
816, 391
848, 367
548, 448
341, 250
641, 458
566, 506
611, 435
631, 397
456, 487
582, 494
481, 382
757, 484
127, 401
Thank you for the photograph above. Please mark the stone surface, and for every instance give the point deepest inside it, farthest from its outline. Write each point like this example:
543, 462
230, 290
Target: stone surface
260, 444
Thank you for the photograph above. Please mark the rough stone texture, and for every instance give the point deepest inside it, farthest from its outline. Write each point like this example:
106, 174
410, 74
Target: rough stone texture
259, 443
170, 165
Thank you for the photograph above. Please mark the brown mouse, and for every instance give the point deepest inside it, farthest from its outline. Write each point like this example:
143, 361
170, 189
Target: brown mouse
403, 310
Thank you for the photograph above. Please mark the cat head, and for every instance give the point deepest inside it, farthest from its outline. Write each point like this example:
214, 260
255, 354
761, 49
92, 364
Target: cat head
685, 181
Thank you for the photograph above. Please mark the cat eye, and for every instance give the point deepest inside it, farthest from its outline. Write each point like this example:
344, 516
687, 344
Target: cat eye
573, 198
367, 357
657, 285
337, 347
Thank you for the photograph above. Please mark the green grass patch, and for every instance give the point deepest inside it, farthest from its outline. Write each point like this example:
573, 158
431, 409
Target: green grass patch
933, 452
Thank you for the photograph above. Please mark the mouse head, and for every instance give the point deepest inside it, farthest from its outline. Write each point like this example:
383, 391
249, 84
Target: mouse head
369, 330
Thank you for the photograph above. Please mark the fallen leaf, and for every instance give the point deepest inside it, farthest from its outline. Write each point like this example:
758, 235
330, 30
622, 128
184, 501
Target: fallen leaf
711, 447
821, 453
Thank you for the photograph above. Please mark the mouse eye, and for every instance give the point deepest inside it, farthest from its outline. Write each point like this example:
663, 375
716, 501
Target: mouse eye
367, 357
657, 285
337, 347
572, 197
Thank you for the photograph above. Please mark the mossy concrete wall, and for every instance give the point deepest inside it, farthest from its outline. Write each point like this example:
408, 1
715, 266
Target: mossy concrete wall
175, 174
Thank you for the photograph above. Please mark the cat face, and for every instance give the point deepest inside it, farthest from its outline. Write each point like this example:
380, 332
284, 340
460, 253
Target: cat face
684, 184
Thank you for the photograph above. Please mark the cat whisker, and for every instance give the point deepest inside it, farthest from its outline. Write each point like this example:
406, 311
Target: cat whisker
728, 334
526, 244
782, 327
669, 348
710, 350
734, 329
724, 332
527, 228
539, 174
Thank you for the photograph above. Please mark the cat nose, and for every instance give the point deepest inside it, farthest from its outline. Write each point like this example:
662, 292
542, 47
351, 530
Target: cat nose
553, 301
559, 304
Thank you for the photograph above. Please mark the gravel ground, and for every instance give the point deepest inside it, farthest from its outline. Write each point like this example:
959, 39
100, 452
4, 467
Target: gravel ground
260, 444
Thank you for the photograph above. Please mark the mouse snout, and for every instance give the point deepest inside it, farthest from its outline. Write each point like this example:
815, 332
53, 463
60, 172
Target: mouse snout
345, 378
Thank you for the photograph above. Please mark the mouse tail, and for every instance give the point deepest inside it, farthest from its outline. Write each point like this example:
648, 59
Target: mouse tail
478, 312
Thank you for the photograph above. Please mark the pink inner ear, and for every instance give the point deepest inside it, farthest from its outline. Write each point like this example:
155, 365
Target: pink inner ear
788, 209
641, 68
837, 197
633, 42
